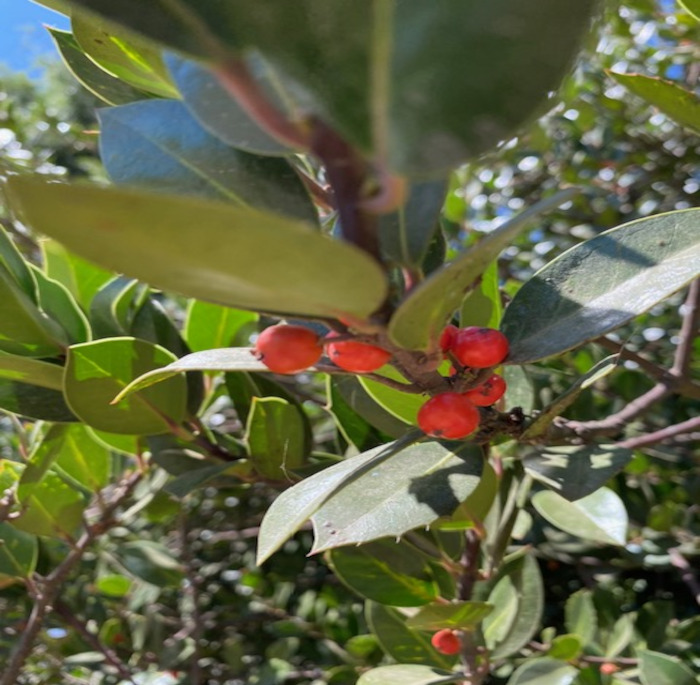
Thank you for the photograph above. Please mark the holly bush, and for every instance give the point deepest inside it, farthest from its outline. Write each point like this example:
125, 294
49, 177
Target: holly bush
194, 492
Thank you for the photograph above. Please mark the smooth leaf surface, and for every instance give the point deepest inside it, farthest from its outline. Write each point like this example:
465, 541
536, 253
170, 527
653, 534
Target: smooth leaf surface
420, 318
678, 103
400, 642
96, 372
600, 516
601, 284
456, 615
580, 616
692, 6
31, 371
661, 669
386, 571
211, 251
411, 489
12, 261
544, 671
18, 552
482, 306
566, 647
159, 145
35, 401
219, 112
296, 505
475, 508
209, 326
277, 437
575, 471
520, 391
407, 674
404, 406
150, 561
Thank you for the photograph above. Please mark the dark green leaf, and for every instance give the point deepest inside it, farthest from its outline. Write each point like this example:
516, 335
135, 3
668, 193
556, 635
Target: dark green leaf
35, 401
401, 642
205, 249
409, 490
581, 618
192, 479
475, 508
210, 326
420, 318
681, 105
456, 615
692, 6
114, 306
150, 561
138, 149
13, 263
544, 671
661, 669
97, 371
575, 471
600, 516
408, 674
219, 112
601, 284
277, 434
18, 552
386, 571
243, 387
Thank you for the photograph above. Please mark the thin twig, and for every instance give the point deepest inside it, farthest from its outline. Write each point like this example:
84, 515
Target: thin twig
689, 328
658, 436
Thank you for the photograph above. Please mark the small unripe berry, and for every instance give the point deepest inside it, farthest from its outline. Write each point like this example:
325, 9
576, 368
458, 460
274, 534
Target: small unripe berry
447, 337
608, 669
479, 348
488, 393
356, 356
446, 641
449, 415
288, 349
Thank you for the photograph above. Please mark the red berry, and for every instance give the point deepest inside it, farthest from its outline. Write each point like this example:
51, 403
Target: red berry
447, 337
288, 349
480, 348
449, 415
357, 356
487, 393
608, 669
446, 641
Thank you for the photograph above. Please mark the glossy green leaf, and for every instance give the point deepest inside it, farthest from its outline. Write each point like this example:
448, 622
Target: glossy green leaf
209, 326
14, 264
135, 62
101, 84
58, 303
387, 571
575, 471
243, 387
410, 490
482, 306
566, 647
676, 102
404, 406
18, 552
692, 6
277, 437
82, 278
406, 234
96, 372
31, 371
420, 318
518, 601
400, 642
408, 674
137, 149
456, 615
225, 359
544, 671
24, 329
580, 616
208, 250
560, 404
150, 561
114, 306
32, 398
600, 516
296, 504
656, 668
219, 112
601, 284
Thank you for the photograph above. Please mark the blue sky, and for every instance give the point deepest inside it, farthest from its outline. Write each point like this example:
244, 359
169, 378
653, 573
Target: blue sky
23, 37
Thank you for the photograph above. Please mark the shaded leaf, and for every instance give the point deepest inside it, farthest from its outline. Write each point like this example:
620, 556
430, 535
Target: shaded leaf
386, 571
97, 371
403, 405
482, 306
575, 471
600, 516
456, 615
601, 284
18, 552
544, 671
475, 508
420, 318
580, 616
407, 674
205, 249
14, 264
661, 669
35, 401
150, 561
520, 391
192, 479
31, 371
158, 144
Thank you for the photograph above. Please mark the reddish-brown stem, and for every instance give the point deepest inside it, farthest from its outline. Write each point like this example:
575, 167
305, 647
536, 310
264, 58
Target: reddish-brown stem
658, 436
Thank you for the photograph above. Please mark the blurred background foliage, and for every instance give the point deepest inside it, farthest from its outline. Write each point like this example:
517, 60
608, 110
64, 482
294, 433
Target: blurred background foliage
293, 621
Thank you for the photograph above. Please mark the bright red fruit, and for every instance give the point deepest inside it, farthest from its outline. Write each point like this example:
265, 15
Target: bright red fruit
479, 348
446, 641
487, 393
357, 356
449, 415
288, 349
447, 337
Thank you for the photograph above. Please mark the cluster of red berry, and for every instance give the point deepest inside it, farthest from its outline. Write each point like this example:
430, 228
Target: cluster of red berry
451, 415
